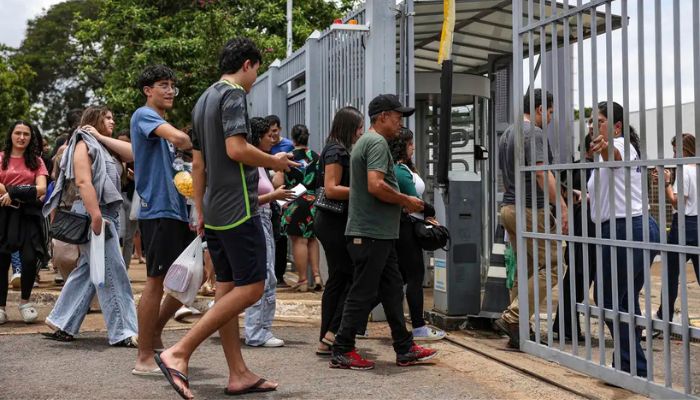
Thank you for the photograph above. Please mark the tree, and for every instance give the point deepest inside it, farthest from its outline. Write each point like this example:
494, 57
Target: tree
51, 50
186, 35
14, 97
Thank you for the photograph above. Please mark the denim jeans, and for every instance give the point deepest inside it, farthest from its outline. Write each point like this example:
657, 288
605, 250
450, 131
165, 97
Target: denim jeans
622, 292
116, 298
259, 316
673, 270
129, 230
16, 263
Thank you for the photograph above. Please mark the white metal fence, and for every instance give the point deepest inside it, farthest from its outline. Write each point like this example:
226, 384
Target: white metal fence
615, 255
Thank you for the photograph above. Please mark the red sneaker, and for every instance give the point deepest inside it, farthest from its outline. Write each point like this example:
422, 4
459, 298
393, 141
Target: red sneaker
415, 355
350, 360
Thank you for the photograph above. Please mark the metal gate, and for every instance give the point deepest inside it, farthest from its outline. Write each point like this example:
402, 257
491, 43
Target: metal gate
611, 65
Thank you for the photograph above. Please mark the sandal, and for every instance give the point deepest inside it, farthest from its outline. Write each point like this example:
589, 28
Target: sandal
130, 342
59, 336
318, 284
169, 372
28, 312
301, 286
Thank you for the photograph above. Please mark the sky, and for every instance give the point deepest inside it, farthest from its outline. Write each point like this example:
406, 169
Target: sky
14, 15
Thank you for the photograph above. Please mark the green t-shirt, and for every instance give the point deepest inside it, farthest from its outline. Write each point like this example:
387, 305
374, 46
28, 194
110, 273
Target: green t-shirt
367, 215
405, 178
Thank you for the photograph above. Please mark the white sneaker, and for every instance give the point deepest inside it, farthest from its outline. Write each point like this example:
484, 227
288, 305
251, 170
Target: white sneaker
273, 342
16, 281
428, 333
3, 317
185, 312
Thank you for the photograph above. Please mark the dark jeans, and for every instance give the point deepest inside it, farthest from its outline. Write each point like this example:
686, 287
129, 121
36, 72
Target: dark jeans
29, 264
673, 270
330, 231
376, 271
280, 258
576, 269
622, 279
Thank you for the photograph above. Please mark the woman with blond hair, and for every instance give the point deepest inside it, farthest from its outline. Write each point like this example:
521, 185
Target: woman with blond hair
92, 162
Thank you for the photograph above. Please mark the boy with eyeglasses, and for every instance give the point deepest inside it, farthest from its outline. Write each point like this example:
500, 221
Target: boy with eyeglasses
163, 218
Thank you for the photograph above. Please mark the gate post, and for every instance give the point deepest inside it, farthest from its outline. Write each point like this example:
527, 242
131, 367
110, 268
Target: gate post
312, 114
380, 53
276, 94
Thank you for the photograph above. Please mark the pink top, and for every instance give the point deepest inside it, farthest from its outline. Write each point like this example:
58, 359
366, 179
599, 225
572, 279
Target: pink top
17, 172
264, 184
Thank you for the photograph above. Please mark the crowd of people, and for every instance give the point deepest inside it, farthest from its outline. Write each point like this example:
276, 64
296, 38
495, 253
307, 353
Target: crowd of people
360, 199
246, 205
606, 205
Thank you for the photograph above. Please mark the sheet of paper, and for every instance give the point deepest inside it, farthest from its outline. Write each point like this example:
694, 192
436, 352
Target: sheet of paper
298, 191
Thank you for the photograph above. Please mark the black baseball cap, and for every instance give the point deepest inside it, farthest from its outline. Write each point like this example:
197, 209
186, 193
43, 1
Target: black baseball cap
388, 102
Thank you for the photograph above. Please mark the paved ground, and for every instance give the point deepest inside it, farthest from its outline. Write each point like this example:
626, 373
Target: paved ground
87, 368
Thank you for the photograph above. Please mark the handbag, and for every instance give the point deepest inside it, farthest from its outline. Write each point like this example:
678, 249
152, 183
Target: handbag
70, 227
326, 204
430, 237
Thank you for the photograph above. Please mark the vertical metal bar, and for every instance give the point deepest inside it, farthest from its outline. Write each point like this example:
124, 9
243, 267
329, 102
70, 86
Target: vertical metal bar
645, 185
584, 187
519, 186
558, 209
569, 201
611, 189
596, 174
535, 212
662, 193
629, 234
696, 90
681, 193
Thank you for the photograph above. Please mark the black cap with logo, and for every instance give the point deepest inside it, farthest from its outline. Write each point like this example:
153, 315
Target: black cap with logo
388, 102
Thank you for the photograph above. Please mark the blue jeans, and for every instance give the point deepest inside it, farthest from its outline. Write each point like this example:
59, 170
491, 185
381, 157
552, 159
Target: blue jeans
116, 298
673, 270
259, 316
16, 263
622, 292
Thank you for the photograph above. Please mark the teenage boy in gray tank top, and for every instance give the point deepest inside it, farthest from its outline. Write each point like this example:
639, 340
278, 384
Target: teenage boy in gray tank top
225, 165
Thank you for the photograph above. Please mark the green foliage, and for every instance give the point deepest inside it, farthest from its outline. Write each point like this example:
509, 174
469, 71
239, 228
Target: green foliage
14, 97
186, 35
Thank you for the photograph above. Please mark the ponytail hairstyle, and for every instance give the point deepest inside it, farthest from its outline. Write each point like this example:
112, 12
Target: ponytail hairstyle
688, 145
398, 147
300, 135
618, 115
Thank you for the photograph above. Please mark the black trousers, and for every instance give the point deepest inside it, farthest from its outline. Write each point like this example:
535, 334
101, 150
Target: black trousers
577, 270
29, 264
330, 231
376, 271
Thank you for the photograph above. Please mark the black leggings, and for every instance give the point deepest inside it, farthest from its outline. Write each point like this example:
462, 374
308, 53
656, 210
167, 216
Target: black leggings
28, 274
412, 268
330, 231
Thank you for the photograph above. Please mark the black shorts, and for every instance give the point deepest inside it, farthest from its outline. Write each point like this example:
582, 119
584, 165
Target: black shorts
164, 239
239, 254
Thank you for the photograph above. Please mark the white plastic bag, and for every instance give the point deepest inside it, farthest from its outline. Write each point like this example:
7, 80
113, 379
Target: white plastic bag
135, 206
185, 275
97, 257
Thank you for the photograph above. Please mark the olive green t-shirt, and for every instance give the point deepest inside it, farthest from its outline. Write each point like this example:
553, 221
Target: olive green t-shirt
367, 215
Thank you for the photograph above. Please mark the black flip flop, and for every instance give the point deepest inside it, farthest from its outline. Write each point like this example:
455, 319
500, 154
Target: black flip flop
169, 372
254, 388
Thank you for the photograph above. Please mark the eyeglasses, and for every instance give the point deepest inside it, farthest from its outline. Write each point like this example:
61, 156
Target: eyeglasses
165, 87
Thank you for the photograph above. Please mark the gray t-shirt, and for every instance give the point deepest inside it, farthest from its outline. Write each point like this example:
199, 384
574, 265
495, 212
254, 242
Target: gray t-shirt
231, 196
367, 215
533, 136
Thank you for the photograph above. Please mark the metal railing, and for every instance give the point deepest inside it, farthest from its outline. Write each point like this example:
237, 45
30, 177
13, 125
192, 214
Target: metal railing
611, 256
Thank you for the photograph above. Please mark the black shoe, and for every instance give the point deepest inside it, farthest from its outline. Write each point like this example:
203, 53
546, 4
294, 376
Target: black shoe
128, 342
511, 330
59, 336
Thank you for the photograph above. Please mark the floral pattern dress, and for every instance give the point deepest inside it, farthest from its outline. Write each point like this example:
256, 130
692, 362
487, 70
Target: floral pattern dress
298, 215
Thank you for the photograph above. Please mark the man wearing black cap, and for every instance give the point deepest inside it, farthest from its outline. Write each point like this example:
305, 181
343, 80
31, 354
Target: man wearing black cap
373, 224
